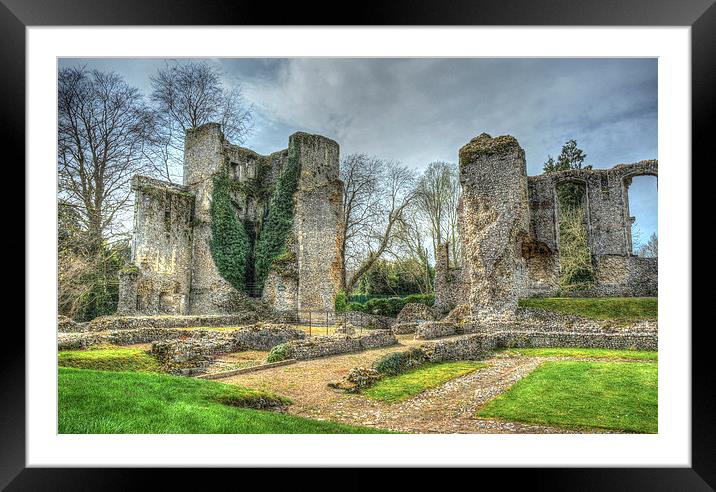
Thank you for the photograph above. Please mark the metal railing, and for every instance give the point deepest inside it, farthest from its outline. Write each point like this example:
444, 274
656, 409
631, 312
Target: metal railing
317, 322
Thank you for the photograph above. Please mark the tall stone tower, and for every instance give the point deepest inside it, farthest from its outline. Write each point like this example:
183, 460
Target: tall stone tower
173, 269
494, 220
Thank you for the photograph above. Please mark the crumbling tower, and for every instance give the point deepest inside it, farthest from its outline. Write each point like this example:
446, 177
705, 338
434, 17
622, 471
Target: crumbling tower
494, 220
173, 269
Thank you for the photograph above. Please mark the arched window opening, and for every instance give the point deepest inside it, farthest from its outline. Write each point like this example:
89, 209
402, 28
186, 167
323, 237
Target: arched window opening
642, 215
576, 271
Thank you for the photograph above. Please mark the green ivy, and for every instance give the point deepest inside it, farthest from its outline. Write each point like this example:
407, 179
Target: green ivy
230, 245
276, 227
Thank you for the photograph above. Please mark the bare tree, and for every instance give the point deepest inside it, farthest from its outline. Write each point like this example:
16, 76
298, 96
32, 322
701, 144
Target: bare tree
438, 193
376, 196
651, 248
103, 129
361, 205
410, 242
188, 95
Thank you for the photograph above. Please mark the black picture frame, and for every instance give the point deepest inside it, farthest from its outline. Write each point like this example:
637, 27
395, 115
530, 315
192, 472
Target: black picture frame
16, 15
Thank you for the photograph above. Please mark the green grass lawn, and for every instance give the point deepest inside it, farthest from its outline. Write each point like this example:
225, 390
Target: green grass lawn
616, 308
609, 395
102, 402
403, 386
595, 353
109, 359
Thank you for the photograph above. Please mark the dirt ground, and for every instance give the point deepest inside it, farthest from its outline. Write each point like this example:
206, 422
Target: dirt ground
449, 408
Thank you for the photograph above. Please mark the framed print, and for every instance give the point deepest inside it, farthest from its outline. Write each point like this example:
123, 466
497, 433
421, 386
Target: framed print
429, 239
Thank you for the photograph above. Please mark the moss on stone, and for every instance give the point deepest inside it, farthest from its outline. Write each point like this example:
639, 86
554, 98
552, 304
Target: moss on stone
485, 144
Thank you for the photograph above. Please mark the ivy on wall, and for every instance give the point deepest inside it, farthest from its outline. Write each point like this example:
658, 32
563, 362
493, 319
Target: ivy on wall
230, 245
276, 227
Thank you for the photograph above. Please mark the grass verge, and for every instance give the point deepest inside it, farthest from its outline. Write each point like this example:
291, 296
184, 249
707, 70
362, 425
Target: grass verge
616, 308
594, 353
609, 395
109, 359
403, 386
99, 402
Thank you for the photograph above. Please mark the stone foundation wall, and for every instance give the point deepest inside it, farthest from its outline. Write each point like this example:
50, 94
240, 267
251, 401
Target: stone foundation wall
106, 323
257, 337
481, 345
415, 312
325, 345
434, 329
404, 328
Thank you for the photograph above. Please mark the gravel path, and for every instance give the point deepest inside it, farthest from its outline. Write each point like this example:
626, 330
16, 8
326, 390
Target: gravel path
449, 408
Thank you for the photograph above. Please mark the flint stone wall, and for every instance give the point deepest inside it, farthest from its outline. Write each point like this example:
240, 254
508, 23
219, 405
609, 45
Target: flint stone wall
68, 325
258, 337
325, 345
414, 312
494, 220
435, 329
404, 328
617, 271
480, 345
158, 278
527, 319
172, 269
106, 323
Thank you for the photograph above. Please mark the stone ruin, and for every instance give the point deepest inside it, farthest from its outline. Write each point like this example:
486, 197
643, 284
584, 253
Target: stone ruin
510, 235
172, 270
508, 224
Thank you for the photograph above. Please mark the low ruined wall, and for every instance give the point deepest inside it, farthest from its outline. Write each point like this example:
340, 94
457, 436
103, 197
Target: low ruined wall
106, 323
68, 325
480, 345
414, 312
434, 329
265, 337
324, 345
258, 337
529, 319
188, 356
70, 341
404, 328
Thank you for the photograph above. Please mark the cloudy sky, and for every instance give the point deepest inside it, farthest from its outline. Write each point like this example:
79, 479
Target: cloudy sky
421, 110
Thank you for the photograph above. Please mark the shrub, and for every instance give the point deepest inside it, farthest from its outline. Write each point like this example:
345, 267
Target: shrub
399, 362
390, 306
279, 352
341, 302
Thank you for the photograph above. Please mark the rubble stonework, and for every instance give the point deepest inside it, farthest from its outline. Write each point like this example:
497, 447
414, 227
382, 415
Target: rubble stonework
494, 221
434, 329
325, 345
536, 269
260, 336
480, 345
172, 270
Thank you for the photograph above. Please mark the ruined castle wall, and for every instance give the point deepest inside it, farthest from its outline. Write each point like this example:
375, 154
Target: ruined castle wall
451, 287
158, 279
617, 271
317, 220
494, 223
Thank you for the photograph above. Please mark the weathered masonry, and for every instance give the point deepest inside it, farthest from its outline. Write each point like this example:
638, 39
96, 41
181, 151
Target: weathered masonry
510, 235
242, 225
